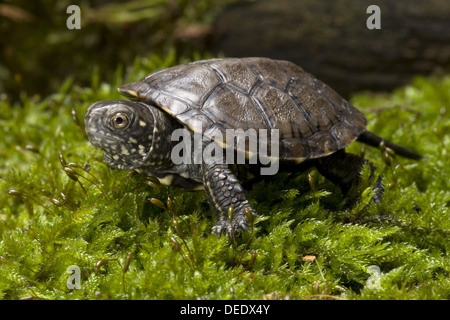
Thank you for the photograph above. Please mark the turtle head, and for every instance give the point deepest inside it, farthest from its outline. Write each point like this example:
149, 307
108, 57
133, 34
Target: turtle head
129, 133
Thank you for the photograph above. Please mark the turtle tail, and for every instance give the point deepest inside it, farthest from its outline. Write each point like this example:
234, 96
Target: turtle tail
372, 139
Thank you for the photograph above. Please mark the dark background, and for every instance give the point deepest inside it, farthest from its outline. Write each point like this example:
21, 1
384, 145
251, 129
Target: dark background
327, 38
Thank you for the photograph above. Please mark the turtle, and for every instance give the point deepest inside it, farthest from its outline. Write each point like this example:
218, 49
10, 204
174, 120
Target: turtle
312, 125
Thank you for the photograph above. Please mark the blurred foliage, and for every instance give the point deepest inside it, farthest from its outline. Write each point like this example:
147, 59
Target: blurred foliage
38, 52
61, 205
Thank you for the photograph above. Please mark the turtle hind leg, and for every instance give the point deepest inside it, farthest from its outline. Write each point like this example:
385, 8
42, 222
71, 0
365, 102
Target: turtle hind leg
344, 170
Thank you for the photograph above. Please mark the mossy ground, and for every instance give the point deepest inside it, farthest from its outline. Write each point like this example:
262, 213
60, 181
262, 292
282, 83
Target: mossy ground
61, 205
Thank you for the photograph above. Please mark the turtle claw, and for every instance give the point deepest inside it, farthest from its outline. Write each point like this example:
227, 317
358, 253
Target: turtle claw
222, 227
239, 224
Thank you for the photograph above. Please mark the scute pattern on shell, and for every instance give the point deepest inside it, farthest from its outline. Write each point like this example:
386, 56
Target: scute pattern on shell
258, 93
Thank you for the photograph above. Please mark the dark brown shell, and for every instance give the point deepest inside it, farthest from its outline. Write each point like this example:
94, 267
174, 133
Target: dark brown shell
258, 93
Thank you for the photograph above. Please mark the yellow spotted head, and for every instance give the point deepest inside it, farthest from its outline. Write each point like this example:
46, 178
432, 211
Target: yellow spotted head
124, 130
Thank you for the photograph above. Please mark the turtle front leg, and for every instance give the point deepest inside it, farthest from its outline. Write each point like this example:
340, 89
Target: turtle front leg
224, 190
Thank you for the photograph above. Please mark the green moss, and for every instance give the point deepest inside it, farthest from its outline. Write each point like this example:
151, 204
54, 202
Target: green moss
61, 205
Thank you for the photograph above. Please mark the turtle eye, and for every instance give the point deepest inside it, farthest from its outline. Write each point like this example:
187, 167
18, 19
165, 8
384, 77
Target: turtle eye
119, 120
